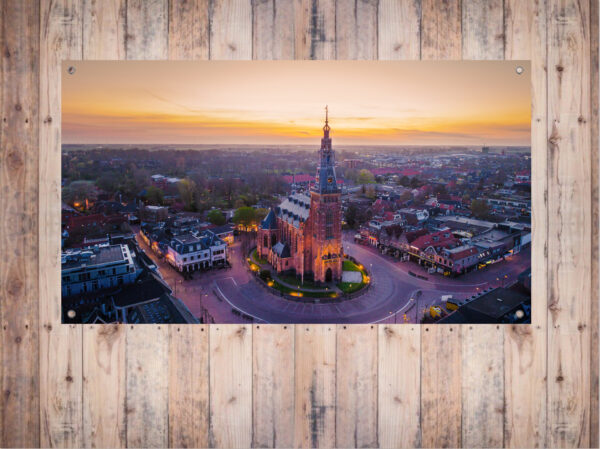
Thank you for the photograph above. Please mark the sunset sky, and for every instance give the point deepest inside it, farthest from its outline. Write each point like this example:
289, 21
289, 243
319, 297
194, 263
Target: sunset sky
282, 102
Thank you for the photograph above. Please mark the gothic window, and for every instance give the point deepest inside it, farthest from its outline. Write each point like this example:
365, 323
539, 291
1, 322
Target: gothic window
329, 224
273, 239
266, 242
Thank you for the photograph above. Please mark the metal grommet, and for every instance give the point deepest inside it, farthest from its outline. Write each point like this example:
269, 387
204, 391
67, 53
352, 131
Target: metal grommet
519, 70
71, 70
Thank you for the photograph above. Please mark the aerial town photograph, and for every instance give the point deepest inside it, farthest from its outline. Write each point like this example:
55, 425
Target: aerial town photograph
296, 192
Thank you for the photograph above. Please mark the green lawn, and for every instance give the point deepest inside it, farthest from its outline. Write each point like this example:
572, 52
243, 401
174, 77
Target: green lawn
293, 280
348, 265
351, 287
285, 289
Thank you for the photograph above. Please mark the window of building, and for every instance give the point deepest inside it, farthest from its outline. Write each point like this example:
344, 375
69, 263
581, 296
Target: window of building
329, 224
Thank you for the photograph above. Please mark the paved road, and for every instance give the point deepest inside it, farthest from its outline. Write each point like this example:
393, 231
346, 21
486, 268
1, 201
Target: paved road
386, 301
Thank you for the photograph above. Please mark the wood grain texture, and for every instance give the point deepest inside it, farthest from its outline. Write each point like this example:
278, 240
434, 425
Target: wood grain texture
399, 386
273, 29
315, 394
147, 385
104, 29
231, 29
356, 386
60, 347
230, 386
189, 29
525, 346
399, 29
104, 386
482, 30
569, 230
356, 29
441, 22
107, 386
483, 386
273, 386
441, 380
189, 396
595, 264
147, 29
314, 28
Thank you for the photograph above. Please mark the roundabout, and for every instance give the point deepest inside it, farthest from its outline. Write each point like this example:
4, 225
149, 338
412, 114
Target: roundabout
355, 281
388, 295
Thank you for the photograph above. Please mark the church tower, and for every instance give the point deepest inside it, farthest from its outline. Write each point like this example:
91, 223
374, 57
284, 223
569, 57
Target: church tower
326, 215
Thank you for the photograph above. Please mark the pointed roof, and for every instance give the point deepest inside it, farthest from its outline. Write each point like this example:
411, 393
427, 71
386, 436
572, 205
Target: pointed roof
270, 221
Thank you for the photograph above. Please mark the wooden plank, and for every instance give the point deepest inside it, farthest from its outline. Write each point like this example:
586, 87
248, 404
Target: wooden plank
188, 386
231, 30
314, 29
356, 386
399, 386
441, 380
60, 386
188, 29
273, 386
569, 231
104, 386
273, 29
60, 345
19, 283
483, 386
356, 29
315, 393
104, 29
483, 30
147, 385
147, 29
230, 386
594, 324
399, 29
441, 23
525, 346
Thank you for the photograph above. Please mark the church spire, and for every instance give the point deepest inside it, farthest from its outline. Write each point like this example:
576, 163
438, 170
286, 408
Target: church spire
326, 180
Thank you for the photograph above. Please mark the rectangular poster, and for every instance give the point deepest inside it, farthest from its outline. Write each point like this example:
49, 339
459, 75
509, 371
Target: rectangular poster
296, 192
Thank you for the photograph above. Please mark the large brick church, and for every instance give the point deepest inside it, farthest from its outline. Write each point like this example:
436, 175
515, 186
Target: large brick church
304, 233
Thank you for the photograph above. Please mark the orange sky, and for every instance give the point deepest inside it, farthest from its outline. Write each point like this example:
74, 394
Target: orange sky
254, 102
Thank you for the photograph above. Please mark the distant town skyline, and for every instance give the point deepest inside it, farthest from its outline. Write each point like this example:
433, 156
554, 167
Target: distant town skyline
282, 102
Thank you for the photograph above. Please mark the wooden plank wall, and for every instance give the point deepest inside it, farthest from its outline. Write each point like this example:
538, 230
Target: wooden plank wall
317, 385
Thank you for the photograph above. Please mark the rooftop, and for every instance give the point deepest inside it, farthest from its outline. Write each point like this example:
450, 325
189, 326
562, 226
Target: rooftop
97, 255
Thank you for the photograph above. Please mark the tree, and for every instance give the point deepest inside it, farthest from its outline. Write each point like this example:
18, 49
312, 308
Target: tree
109, 182
404, 181
405, 196
480, 208
78, 192
365, 177
154, 195
216, 217
351, 216
187, 192
244, 216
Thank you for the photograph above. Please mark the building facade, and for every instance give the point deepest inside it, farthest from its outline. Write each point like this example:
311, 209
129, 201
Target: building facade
101, 266
191, 252
304, 233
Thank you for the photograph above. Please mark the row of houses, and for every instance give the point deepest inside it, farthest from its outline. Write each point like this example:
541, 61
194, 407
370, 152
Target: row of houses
450, 245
